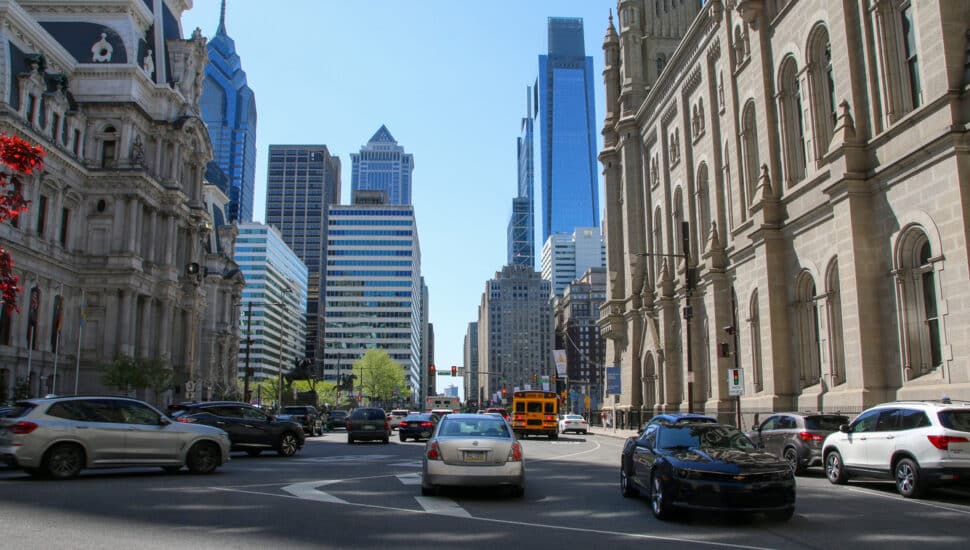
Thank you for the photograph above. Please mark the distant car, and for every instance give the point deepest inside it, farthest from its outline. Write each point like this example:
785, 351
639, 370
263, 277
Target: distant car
304, 415
58, 437
250, 429
439, 413
395, 417
337, 419
417, 426
473, 450
796, 437
573, 423
918, 444
705, 466
501, 410
368, 423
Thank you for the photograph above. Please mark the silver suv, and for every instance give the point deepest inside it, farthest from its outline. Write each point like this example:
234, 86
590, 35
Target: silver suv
918, 444
58, 437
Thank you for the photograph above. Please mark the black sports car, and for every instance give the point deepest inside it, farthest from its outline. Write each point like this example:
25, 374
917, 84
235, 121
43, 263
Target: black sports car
705, 466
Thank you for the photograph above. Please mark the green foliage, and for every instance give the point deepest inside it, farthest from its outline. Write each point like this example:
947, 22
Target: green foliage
121, 374
378, 376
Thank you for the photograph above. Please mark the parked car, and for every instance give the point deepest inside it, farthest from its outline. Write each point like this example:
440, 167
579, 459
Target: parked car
706, 466
573, 423
417, 426
306, 416
473, 450
368, 423
796, 437
681, 418
917, 444
395, 417
250, 429
58, 437
337, 419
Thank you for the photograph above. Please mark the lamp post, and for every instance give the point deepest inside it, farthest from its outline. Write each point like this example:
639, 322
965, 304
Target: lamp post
281, 304
248, 372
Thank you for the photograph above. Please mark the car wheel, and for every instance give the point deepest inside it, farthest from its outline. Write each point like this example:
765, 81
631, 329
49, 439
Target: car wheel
202, 458
63, 461
782, 515
626, 487
659, 504
171, 469
554, 436
403, 439
585, 432
429, 490
908, 481
288, 444
386, 440
791, 457
835, 469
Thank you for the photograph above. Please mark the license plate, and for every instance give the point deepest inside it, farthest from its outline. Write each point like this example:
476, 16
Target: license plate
425, 434
368, 427
474, 456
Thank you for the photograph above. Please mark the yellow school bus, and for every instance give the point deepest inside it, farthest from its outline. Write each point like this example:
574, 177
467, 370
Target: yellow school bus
535, 413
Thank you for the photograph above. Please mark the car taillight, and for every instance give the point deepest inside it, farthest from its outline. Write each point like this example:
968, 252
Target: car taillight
185, 420
426, 425
550, 418
386, 425
942, 442
22, 428
520, 417
433, 452
349, 425
809, 436
515, 453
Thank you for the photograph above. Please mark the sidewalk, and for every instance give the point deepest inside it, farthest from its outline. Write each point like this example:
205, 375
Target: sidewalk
610, 432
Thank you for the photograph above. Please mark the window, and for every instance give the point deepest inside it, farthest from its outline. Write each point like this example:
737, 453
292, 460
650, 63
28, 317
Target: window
754, 328
792, 126
703, 208
896, 24
909, 55
866, 422
41, 215
822, 88
749, 144
108, 154
807, 327
918, 297
836, 342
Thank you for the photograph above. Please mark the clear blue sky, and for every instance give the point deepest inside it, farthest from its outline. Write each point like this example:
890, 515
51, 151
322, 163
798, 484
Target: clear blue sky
447, 78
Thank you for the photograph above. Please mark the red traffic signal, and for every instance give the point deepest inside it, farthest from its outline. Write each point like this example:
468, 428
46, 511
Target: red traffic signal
454, 370
504, 392
432, 369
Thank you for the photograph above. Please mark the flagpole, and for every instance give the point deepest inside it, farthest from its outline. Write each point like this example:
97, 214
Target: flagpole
80, 329
57, 338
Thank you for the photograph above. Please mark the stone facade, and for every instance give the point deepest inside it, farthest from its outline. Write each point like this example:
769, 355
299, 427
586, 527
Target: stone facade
118, 225
818, 152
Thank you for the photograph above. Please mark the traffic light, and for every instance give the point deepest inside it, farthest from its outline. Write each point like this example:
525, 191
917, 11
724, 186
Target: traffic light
454, 370
504, 392
432, 369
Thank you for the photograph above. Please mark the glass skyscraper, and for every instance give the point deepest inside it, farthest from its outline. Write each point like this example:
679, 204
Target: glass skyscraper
302, 182
382, 165
521, 231
567, 131
229, 110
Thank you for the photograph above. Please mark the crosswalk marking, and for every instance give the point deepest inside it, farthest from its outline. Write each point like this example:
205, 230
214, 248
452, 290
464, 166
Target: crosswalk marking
410, 479
442, 506
309, 491
412, 464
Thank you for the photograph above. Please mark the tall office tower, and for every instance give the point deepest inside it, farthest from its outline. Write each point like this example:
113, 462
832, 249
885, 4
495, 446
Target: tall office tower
514, 332
567, 131
229, 112
565, 257
273, 302
577, 312
374, 289
303, 181
521, 231
382, 165
471, 365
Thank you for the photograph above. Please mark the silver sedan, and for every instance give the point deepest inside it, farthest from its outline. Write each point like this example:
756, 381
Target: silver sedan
473, 450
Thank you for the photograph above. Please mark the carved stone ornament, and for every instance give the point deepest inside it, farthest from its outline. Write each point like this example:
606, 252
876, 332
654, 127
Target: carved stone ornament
750, 10
137, 152
102, 50
148, 64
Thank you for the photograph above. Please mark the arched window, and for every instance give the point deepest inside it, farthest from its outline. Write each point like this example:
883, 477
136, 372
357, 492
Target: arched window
793, 129
661, 63
108, 147
749, 143
678, 219
919, 298
703, 207
754, 331
822, 84
898, 42
836, 341
807, 327
726, 173
658, 247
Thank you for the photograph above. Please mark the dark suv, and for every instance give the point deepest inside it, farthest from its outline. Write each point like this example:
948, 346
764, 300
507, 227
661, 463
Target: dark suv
368, 423
796, 437
249, 428
336, 419
304, 415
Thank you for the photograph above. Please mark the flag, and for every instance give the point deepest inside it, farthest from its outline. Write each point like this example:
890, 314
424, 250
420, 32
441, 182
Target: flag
32, 314
56, 322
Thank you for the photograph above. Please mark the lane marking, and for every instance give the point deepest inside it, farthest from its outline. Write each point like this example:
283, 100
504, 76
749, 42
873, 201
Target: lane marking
308, 490
442, 506
341, 458
414, 464
410, 479
900, 498
560, 457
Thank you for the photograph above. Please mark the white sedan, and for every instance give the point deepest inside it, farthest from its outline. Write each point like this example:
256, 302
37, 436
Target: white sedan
573, 423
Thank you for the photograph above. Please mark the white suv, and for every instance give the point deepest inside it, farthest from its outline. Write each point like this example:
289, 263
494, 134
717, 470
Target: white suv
915, 443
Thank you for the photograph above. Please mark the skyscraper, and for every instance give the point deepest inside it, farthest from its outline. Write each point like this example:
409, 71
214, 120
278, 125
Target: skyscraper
565, 257
303, 180
567, 131
382, 165
521, 231
229, 111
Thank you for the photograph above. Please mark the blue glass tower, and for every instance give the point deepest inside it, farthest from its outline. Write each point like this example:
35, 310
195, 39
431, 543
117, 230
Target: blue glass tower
382, 165
229, 110
567, 131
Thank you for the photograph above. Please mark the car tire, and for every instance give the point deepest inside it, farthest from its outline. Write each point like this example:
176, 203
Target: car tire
782, 515
63, 461
203, 458
288, 444
585, 432
429, 491
554, 436
253, 452
626, 486
790, 455
835, 468
908, 480
659, 504
386, 440
403, 439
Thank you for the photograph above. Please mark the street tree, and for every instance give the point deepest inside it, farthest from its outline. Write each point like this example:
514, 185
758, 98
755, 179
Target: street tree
23, 158
380, 377
121, 374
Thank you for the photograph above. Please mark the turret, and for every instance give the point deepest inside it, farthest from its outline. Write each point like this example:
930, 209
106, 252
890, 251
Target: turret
611, 73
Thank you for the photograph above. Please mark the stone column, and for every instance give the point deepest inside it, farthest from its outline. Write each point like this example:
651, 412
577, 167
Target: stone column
170, 240
152, 245
118, 225
126, 318
164, 331
133, 226
111, 322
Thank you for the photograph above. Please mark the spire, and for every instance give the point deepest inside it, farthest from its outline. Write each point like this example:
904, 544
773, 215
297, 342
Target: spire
222, 19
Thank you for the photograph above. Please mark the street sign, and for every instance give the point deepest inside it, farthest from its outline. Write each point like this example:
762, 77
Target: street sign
735, 382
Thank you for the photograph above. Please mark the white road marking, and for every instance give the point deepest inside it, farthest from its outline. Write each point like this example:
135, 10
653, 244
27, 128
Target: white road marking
342, 458
409, 479
412, 464
308, 490
442, 506
900, 498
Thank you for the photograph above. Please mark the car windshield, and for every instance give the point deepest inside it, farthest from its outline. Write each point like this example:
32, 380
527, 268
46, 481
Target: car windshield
573, 417
956, 419
368, 414
702, 436
474, 427
828, 423
418, 417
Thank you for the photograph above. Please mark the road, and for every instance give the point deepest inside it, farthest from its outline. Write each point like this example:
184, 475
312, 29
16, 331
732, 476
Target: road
335, 495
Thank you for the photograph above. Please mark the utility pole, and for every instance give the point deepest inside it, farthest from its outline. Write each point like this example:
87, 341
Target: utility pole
689, 282
248, 372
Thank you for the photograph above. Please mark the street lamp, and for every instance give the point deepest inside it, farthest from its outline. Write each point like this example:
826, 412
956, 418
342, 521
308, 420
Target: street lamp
281, 303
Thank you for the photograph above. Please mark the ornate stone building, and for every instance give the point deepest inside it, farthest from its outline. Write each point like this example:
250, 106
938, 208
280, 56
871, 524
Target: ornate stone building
118, 240
818, 153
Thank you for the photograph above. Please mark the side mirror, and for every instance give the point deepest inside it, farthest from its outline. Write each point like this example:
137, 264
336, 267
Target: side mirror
844, 428
164, 420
